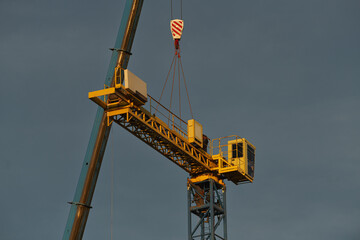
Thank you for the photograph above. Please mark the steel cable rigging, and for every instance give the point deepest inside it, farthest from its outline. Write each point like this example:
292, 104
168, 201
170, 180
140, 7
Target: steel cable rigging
176, 67
171, 9
230, 158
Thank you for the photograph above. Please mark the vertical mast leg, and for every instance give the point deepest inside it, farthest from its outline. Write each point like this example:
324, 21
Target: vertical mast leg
225, 214
80, 206
207, 204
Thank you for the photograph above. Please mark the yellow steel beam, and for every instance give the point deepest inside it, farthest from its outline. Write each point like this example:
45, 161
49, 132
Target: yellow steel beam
99, 102
94, 96
101, 92
169, 142
117, 112
159, 136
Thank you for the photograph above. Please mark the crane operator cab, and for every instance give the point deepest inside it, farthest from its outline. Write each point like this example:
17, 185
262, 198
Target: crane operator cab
236, 158
242, 153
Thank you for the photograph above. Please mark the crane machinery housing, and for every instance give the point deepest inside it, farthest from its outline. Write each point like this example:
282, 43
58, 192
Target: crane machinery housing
124, 101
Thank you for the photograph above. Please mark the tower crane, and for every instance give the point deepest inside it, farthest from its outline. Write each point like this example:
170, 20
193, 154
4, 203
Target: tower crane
124, 101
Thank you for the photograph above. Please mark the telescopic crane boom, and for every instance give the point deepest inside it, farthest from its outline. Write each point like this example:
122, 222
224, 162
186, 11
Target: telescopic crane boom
81, 203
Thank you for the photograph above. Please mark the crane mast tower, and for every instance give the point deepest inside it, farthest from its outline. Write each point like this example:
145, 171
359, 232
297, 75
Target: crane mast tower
124, 101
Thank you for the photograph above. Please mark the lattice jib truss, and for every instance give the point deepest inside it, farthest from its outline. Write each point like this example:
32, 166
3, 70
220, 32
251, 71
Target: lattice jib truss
124, 108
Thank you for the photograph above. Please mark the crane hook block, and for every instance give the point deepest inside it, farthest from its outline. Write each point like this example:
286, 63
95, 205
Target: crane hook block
176, 26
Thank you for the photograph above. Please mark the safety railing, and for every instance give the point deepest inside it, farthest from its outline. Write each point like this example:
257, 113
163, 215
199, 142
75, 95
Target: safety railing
219, 146
173, 121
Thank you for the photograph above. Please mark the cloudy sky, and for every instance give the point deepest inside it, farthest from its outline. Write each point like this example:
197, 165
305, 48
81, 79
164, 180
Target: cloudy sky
282, 73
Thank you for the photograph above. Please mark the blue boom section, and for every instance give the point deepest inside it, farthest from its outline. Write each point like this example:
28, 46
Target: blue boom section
96, 126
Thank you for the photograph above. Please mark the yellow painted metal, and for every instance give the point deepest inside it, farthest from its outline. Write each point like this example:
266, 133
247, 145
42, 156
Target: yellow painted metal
114, 113
117, 76
94, 96
117, 112
204, 177
101, 92
229, 171
169, 140
113, 98
234, 168
242, 162
195, 132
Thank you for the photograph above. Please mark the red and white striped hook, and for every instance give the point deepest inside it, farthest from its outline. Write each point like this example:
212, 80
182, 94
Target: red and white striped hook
176, 26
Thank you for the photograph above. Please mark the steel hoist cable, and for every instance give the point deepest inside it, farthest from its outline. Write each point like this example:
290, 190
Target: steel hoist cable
187, 92
172, 86
176, 71
181, 9
171, 9
176, 26
167, 77
179, 89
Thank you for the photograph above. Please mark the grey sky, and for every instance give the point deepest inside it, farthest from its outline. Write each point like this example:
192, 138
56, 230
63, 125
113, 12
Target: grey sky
282, 73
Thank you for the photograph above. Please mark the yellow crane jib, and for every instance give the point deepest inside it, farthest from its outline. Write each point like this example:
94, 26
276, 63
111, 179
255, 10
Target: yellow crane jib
231, 158
208, 162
